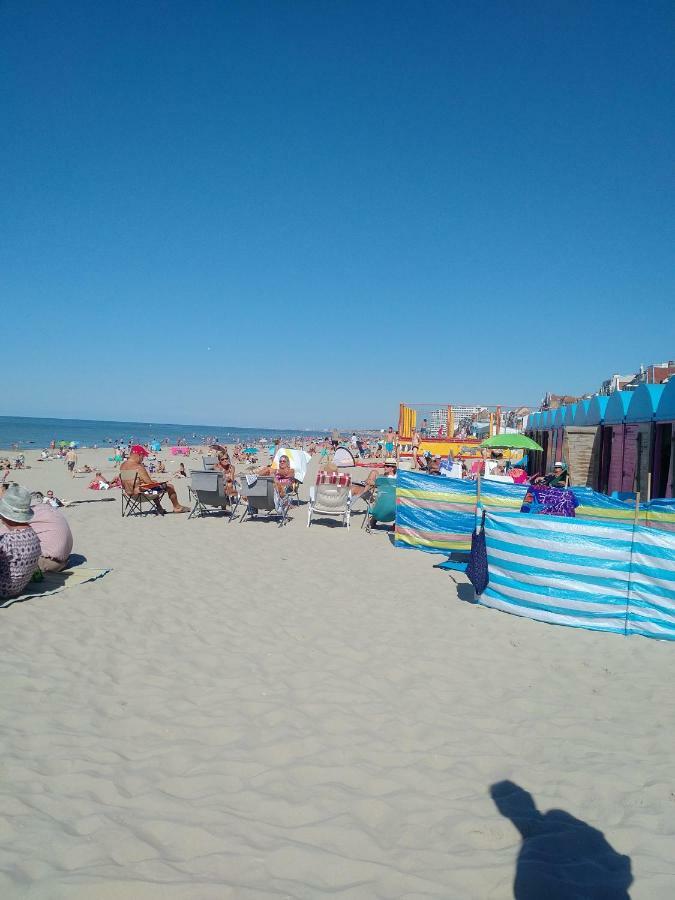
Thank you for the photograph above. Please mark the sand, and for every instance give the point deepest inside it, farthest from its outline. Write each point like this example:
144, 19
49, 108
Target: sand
244, 711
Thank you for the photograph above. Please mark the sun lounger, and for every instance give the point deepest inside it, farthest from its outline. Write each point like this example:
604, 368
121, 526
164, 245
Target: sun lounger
206, 489
330, 497
383, 508
260, 497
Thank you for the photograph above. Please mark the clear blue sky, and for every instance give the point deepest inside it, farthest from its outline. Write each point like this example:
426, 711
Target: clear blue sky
349, 203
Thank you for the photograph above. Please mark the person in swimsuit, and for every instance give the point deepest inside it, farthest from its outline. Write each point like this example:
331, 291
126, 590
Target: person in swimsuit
136, 478
389, 442
284, 475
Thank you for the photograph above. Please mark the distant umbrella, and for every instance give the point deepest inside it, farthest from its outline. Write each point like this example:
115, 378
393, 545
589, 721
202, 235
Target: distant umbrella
251, 450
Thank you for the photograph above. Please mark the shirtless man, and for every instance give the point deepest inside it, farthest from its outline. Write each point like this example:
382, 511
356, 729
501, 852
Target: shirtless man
71, 461
134, 466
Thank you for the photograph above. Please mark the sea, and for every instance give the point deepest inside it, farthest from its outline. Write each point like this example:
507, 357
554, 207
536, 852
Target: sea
22, 433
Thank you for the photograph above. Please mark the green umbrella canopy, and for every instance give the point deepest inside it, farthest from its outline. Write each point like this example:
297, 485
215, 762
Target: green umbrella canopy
511, 442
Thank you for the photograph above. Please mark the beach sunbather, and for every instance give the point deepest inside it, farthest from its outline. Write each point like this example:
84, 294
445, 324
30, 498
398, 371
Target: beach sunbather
136, 478
19, 544
54, 534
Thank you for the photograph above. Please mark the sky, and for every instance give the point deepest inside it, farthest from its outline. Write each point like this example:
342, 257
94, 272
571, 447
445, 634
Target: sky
299, 214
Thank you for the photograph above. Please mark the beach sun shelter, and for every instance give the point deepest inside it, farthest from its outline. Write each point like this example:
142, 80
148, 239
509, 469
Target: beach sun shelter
663, 466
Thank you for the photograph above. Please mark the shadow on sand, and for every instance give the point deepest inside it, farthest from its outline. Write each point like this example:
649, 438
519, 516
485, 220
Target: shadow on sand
560, 857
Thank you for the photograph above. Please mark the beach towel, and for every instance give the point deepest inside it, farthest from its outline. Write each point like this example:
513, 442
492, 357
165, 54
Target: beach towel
550, 502
477, 568
339, 478
54, 582
297, 459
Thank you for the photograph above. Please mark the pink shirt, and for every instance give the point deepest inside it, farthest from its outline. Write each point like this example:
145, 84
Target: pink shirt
53, 530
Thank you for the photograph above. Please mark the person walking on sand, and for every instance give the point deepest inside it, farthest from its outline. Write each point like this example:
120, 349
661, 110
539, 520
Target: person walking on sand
138, 480
71, 461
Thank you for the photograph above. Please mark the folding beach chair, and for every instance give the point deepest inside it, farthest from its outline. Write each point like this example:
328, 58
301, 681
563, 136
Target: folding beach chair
383, 507
331, 496
262, 496
207, 491
132, 502
209, 463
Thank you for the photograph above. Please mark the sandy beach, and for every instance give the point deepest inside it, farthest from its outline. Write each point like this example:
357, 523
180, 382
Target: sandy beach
247, 711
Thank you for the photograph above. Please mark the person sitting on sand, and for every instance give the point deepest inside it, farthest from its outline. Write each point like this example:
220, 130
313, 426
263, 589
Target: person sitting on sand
54, 534
50, 499
137, 480
19, 544
434, 466
161, 468
99, 483
180, 473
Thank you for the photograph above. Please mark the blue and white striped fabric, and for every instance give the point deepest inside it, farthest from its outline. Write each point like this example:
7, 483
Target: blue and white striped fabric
651, 610
559, 570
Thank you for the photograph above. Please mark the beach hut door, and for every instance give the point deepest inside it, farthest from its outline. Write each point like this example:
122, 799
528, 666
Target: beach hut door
615, 480
630, 458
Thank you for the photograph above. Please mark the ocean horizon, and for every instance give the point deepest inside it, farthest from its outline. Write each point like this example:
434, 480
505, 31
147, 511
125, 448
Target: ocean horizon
28, 432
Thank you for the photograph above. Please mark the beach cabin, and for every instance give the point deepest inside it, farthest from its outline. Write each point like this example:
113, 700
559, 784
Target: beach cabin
615, 419
581, 445
545, 433
640, 420
581, 413
631, 417
595, 418
555, 442
573, 442
663, 463
534, 431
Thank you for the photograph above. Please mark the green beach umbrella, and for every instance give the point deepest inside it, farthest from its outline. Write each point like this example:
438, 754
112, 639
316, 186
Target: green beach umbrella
511, 442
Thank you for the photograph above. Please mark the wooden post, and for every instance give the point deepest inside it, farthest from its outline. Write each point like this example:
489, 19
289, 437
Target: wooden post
649, 486
637, 507
450, 424
499, 420
477, 500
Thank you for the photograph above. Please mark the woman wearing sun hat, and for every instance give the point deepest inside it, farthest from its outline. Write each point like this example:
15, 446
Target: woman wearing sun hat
19, 545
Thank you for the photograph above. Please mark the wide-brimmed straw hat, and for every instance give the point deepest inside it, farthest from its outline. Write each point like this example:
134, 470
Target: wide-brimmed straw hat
15, 504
